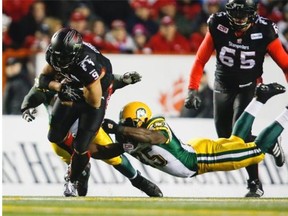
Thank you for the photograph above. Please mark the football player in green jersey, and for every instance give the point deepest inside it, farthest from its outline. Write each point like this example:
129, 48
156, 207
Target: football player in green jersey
152, 141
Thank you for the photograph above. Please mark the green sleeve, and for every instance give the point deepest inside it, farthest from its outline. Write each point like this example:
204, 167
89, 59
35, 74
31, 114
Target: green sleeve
117, 82
35, 97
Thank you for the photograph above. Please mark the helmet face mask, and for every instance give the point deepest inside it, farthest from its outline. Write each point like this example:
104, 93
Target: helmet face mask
241, 13
135, 114
63, 61
66, 45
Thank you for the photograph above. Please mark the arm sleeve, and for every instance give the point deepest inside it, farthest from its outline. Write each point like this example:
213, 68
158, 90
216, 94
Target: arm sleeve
202, 56
35, 97
117, 82
279, 55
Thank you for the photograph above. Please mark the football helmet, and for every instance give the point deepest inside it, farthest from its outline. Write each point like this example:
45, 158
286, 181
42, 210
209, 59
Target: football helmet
135, 114
241, 13
66, 45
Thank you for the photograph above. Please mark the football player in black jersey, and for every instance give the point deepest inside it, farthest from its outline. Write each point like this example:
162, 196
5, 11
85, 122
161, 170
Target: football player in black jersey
241, 39
82, 77
35, 97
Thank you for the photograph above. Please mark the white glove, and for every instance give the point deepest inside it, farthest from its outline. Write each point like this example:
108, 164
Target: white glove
29, 114
131, 77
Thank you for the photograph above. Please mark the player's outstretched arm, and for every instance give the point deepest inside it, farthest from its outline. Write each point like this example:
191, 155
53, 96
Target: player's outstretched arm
141, 135
127, 78
33, 99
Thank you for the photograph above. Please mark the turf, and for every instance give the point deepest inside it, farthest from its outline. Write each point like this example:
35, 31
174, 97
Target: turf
114, 206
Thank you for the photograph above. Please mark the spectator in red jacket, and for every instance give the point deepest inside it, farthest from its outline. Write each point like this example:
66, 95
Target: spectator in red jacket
168, 39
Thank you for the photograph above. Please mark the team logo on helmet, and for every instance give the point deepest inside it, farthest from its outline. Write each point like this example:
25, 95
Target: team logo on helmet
141, 113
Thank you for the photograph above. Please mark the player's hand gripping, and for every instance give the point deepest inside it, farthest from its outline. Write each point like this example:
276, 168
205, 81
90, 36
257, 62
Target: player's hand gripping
29, 114
68, 93
110, 127
131, 77
192, 100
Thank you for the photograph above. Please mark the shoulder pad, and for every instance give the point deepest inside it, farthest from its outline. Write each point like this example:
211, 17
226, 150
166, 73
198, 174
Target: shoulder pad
159, 124
156, 122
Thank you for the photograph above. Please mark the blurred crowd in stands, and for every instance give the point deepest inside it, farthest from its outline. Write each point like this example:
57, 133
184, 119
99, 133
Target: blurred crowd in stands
113, 26
123, 26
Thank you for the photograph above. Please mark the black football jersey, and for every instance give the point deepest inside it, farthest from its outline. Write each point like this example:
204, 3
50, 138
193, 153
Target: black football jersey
240, 59
87, 69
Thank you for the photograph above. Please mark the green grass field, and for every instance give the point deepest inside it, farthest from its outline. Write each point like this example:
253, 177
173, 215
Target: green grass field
114, 206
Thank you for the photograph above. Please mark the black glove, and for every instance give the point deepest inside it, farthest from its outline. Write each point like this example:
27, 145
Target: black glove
110, 127
129, 123
29, 114
68, 93
192, 100
131, 77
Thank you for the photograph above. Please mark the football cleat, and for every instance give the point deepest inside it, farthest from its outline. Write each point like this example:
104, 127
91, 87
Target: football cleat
255, 188
146, 186
265, 91
277, 152
82, 182
70, 189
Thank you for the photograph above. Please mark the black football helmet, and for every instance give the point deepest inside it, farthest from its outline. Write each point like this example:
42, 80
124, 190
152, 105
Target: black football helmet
237, 10
66, 45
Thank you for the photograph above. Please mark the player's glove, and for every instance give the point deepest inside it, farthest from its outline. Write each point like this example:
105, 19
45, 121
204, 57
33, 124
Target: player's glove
131, 77
192, 100
29, 114
110, 127
68, 93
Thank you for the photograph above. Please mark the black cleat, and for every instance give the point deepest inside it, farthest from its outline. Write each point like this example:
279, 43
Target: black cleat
277, 152
146, 186
82, 183
255, 188
265, 91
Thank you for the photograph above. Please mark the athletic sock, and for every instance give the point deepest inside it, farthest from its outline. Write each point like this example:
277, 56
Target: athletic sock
125, 168
282, 119
254, 107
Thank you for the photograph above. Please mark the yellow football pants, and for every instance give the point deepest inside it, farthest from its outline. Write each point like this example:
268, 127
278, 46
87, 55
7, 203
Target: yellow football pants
225, 154
102, 138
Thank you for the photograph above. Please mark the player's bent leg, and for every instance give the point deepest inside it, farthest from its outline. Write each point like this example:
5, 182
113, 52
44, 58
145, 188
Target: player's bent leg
123, 165
234, 154
64, 149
